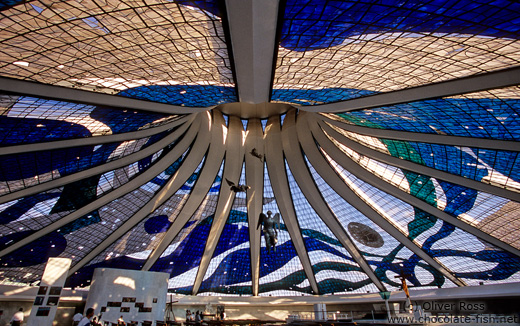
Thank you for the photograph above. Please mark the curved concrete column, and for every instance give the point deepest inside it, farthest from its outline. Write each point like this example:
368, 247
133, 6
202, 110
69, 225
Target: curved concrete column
133, 184
335, 182
475, 83
17, 86
172, 185
276, 169
95, 140
254, 179
232, 170
291, 145
366, 176
100, 169
206, 177
418, 168
495, 144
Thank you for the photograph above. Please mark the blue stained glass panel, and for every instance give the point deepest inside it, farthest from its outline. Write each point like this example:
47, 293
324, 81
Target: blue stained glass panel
483, 210
383, 253
318, 24
85, 232
66, 161
20, 207
316, 96
470, 258
469, 117
7, 3
497, 263
334, 268
499, 168
31, 130
41, 166
456, 199
281, 273
128, 120
113, 215
182, 258
184, 95
31, 120
34, 253
133, 249
348, 49
459, 199
229, 271
505, 163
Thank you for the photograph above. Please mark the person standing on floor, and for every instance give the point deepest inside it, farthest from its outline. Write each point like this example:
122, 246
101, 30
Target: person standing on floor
77, 318
86, 320
17, 318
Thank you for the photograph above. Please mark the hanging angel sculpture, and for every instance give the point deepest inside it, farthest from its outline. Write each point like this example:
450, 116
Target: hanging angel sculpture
237, 188
271, 224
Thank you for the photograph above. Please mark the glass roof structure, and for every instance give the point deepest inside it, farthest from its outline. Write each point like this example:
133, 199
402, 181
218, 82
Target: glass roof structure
386, 134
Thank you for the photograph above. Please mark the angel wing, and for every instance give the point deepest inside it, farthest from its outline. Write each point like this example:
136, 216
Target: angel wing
255, 153
276, 219
230, 183
261, 219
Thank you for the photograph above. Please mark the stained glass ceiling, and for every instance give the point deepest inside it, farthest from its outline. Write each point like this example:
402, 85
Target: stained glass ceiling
385, 133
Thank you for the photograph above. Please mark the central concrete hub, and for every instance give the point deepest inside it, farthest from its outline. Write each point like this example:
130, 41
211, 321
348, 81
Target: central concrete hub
249, 110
